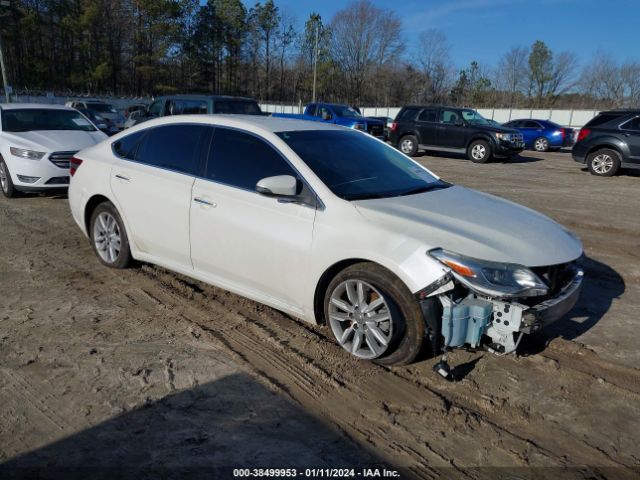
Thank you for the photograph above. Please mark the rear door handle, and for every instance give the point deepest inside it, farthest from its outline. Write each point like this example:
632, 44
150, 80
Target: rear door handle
122, 177
203, 202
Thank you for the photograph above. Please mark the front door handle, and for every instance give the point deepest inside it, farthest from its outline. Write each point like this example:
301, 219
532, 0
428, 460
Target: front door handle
122, 177
203, 202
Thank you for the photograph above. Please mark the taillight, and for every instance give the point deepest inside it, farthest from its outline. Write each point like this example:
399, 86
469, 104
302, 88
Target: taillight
563, 132
394, 126
583, 133
74, 164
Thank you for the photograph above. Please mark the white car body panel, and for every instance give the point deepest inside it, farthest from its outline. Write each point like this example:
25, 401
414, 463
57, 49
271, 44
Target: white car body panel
276, 252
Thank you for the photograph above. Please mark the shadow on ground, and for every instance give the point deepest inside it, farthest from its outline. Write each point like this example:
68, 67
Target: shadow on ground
601, 286
204, 432
522, 158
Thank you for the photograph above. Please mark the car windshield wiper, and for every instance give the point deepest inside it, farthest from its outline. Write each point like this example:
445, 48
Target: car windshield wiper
425, 188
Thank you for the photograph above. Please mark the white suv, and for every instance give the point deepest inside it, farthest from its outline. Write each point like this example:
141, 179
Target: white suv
36, 143
329, 225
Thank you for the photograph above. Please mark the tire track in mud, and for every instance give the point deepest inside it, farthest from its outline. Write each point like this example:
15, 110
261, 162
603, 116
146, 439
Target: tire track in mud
447, 418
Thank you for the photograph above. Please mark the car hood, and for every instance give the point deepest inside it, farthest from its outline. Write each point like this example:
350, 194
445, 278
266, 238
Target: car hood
477, 225
499, 129
54, 140
373, 121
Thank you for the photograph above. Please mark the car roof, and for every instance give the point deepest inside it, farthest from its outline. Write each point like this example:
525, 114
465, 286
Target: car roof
262, 123
195, 96
17, 106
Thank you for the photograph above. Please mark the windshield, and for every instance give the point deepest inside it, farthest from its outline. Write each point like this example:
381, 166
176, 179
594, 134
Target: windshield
346, 111
471, 116
356, 167
29, 119
101, 107
240, 107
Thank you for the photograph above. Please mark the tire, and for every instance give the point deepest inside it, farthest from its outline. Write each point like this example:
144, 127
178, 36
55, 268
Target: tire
479, 151
105, 218
6, 184
400, 323
408, 145
604, 162
541, 144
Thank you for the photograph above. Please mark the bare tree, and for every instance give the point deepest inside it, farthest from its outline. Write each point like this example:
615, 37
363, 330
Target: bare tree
433, 58
364, 38
602, 79
511, 74
630, 73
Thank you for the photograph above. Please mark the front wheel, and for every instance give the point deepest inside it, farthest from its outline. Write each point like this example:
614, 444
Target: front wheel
6, 184
108, 237
479, 151
604, 163
541, 144
374, 316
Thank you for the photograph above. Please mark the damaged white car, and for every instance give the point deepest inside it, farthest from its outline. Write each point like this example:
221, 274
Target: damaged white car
329, 225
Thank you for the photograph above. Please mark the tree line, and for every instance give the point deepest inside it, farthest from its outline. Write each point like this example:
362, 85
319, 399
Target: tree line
152, 47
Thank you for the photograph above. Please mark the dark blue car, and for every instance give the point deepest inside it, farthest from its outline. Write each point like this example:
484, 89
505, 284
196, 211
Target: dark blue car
542, 135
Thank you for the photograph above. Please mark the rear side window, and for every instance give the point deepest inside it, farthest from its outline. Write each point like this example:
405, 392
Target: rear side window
126, 146
238, 107
408, 114
428, 115
633, 124
602, 119
531, 124
173, 147
240, 159
187, 107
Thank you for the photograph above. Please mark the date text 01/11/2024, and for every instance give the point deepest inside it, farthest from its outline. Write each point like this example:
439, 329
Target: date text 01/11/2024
315, 473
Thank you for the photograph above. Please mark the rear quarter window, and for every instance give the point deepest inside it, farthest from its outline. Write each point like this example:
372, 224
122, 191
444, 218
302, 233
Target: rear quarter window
126, 146
601, 119
408, 114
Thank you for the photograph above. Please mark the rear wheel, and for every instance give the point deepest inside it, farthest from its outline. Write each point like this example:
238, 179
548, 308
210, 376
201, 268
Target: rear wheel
408, 145
108, 237
604, 162
373, 315
541, 144
479, 151
6, 185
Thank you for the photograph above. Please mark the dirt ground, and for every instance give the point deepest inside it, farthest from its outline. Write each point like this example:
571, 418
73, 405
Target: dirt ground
146, 373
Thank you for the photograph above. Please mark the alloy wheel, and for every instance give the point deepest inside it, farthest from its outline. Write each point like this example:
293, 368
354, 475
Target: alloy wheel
602, 163
4, 182
107, 237
406, 146
360, 319
478, 152
541, 145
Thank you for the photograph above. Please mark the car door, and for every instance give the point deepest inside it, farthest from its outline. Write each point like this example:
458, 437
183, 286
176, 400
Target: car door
452, 132
427, 126
151, 179
256, 245
530, 131
631, 133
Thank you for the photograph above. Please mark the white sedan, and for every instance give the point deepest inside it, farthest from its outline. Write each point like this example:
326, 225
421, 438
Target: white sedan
329, 225
36, 143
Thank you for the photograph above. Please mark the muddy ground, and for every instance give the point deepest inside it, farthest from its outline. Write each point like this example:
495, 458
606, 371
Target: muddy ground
145, 373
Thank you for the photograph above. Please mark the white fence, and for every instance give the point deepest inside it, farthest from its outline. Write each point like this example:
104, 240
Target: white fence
566, 118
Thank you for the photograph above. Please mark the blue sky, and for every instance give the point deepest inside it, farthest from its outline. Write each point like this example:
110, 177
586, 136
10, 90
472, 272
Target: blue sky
484, 29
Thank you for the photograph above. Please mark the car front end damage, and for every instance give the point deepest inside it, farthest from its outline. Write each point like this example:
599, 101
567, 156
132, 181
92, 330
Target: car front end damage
492, 305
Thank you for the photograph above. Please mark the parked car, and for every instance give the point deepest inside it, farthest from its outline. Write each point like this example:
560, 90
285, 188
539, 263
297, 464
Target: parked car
387, 122
542, 135
133, 118
329, 225
104, 124
452, 129
338, 114
36, 143
198, 104
136, 107
103, 109
610, 141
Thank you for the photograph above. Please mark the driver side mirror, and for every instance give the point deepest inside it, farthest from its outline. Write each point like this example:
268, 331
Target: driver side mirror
278, 186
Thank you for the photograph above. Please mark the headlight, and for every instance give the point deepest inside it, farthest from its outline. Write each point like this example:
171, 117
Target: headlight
28, 154
504, 136
492, 278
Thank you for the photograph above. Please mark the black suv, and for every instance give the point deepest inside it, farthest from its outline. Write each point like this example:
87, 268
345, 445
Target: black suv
196, 104
453, 129
609, 141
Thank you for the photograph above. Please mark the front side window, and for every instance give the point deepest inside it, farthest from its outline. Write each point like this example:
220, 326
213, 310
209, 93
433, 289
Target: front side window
101, 107
36, 119
346, 111
156, 108
240, 159
173, 147
355, 166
